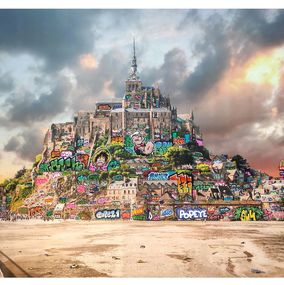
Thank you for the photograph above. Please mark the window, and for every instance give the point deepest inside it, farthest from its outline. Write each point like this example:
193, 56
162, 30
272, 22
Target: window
124, 191
130, 184
132, 191
128, 191
134, 184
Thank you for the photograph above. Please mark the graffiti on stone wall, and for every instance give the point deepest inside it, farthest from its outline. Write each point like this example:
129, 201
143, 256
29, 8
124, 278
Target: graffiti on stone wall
62, 164
191, 213
100, 160
203, 185
184, 183
139, 214
153, 212
166, 213
117, 139
161, 147
139, 144
248, 213
108, 214
158, 175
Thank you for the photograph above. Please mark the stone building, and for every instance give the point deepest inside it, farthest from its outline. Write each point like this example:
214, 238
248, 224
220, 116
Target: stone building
143, 114
124, 190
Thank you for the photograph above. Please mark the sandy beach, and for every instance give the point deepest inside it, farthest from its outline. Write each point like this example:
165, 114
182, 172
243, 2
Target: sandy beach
143, 249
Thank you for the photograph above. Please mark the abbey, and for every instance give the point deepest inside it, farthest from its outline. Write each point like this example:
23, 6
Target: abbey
143, 115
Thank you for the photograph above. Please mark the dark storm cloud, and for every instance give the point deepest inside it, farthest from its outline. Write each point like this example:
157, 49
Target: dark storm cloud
31, 109
58, 36
254, 26
6, 82
212, 49
26, 145
12, 145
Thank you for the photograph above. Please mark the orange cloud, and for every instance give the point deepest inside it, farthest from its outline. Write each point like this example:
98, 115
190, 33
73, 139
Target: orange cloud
88, 61
265, 68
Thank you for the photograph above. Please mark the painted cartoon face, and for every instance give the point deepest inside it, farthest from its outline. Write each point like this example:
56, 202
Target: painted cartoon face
101, 160
137, 139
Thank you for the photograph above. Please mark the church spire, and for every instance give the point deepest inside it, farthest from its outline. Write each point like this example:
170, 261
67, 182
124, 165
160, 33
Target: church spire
133, 69
192, 116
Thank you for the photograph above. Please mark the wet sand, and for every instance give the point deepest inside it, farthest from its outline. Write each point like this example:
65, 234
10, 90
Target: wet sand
144, 249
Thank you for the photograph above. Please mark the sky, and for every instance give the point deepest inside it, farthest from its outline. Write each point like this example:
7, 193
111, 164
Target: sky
226, 65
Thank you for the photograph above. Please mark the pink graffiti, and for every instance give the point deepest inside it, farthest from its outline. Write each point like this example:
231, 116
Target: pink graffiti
102, 200
71, 205
81, 189
40, 181
66, 154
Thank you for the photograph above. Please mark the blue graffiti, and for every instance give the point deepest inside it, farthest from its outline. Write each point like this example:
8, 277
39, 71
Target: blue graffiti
191, 213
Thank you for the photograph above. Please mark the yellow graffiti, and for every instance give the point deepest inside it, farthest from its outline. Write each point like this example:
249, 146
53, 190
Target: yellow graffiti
138, 211
248, 215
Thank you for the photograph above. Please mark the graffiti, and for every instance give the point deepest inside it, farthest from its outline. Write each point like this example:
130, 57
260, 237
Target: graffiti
184, 183
48, 200
113, 164
203, 185
55, 153
248, 213
179, 141
70, 205
187, 138
104, 107
126, 215
81, 178
40, 181
168, 212
100, 160
162, 147
36, 211
84, 158
66, 154
203, 168
111, 214
81, 189
158, 176
223, 210
117, 177
61, 164
93, 177
140, 147
191, 214
199, 142
103, 200
139, 214
154, 213
117, 139
197, 155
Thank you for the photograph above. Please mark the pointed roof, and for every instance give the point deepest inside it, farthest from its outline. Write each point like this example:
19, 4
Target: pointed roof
133, 69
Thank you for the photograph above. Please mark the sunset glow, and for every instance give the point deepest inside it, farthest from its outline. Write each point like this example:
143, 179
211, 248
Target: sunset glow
265, 69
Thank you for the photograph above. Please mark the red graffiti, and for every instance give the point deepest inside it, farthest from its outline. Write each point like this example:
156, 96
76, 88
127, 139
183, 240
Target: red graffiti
55, 153
184, 182
83, 158
178, 141
126, 215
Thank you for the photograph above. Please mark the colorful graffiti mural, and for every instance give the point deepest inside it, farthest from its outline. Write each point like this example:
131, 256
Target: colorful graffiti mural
191, 213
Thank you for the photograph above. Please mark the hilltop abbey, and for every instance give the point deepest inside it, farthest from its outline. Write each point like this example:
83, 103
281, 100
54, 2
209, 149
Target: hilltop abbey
143, 115
138, 159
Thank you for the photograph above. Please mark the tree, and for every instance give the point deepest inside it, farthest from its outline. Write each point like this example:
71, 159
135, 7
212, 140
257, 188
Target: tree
240, 162
179, 156
20, 173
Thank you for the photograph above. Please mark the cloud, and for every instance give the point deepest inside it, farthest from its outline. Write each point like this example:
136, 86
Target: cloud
26, 144
58, 36
254, 26
6, 82
31, 108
